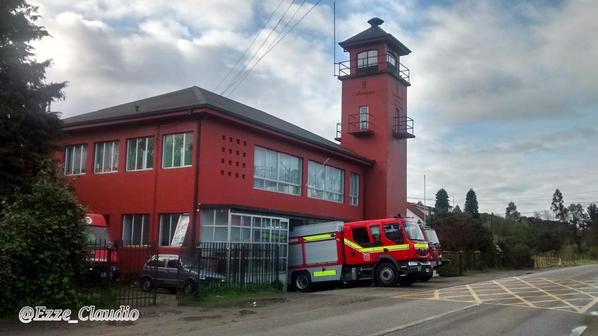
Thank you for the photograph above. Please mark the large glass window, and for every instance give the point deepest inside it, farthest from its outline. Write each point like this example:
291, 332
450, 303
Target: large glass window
106, 157
392, 60
135, 229
392, 231
276, 171
354, 189
177, 149
168, 226
367, 59
325, 182
140, 153
75, 157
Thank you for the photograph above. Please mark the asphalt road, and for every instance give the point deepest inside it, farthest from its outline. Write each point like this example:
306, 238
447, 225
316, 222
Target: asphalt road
550, 302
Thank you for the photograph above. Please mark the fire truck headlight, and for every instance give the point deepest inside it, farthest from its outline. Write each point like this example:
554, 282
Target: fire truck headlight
412, 263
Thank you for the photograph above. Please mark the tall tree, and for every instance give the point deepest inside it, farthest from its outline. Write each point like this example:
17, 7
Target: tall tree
558, 206
26, 126
577, 219
442, 202
457, 209
593, 223
471, 203
511, 212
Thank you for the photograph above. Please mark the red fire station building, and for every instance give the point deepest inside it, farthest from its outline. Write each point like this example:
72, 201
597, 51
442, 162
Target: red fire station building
247, 175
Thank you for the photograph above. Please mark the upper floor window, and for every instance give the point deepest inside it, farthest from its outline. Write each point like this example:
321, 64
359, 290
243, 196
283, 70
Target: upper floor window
75, 157
140, 153
325, 182
366, 59
276, 171
364, 116
392, 60
106, 157
354, 189
177, 150
135, 229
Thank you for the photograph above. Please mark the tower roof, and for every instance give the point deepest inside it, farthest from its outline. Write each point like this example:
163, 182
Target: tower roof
375, 34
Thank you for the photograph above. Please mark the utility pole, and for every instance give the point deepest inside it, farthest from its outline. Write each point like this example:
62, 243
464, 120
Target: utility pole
424, 189
492, 224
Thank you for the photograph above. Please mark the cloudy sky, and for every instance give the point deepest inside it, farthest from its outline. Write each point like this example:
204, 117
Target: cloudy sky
504, 93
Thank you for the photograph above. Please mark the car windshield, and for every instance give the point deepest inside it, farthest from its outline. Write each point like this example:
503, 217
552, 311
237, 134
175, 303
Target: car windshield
414, 231
432, 237
98, 234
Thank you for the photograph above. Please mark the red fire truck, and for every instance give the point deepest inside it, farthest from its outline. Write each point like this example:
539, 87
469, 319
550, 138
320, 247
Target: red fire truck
387, 251
435, 256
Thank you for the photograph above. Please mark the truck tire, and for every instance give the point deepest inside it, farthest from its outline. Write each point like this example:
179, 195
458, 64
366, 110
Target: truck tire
302, 281
386, 274
407, 281
426, 278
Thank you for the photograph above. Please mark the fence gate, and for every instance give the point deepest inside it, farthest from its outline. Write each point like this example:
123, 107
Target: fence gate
115, 273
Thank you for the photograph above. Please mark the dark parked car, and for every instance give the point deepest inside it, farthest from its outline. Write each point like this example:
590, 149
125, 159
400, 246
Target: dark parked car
172, 271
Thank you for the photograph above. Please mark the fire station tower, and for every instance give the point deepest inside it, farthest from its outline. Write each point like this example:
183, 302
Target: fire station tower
374, 121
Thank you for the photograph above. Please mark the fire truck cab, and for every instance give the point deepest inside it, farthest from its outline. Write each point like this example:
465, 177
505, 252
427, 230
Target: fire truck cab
387, 251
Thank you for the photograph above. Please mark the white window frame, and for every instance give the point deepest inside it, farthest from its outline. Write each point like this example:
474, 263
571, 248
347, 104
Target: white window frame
278, 181
364, 117
145, 218
370, 59
170, 217
354, 193
312, 189
390, 56
145, 161
112, 146
69, 152
186, 135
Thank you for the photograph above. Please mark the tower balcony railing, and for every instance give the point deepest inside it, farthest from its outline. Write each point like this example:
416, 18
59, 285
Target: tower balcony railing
370, 65
360, 124
402, 127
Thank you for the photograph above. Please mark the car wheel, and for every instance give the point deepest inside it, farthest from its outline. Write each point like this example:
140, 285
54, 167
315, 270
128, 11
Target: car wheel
425, 278
189, 287
386, 274
302, 282
146, 284
407, 281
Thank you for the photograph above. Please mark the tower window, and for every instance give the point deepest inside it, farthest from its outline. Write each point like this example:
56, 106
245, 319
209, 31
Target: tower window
367, 60
392, 60
364, 116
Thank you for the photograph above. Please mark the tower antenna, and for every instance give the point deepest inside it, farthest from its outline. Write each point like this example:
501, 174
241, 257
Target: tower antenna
334, 38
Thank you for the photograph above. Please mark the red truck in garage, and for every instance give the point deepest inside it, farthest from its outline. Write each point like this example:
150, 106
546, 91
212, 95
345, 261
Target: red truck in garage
387, 251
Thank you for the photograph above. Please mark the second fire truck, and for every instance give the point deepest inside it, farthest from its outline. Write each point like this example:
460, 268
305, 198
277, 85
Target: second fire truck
387, 251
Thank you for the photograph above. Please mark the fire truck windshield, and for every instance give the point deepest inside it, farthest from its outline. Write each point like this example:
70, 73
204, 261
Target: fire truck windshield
432, 237
414, 231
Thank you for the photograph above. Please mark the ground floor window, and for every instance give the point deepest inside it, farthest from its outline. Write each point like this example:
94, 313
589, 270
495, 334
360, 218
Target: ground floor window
135, 229
170, 224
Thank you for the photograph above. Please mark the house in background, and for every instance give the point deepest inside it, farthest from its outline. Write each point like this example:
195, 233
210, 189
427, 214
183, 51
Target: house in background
226, 172
419, 211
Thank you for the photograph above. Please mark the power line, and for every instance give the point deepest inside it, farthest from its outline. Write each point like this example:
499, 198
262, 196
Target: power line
241, 71
246, 51
273, 46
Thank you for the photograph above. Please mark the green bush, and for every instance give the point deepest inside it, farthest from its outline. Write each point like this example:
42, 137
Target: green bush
42, 245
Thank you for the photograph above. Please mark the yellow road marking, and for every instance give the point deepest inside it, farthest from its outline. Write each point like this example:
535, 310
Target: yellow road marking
474, 294
436, 295
588, 306
585, 283
575, 289
551, 295
515, 295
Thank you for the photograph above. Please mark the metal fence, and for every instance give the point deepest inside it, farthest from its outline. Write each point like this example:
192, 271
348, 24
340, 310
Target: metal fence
229, 265
113, 273
461, 261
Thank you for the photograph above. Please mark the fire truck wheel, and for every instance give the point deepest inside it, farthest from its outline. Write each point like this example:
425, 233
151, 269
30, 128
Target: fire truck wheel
407, 281
425, 278
386, 274
302, 282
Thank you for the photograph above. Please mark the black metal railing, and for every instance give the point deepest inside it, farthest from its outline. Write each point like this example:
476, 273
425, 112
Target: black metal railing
360, 123
113, 273
402, 126
372, 64
230, 265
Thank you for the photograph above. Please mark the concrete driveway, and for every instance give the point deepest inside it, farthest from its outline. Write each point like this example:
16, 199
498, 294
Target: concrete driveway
551, 302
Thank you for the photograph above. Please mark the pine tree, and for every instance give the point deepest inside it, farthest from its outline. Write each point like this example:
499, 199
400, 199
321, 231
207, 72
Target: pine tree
471, 204
442, 202
457, 210
26, 126
558, 206
511, 212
